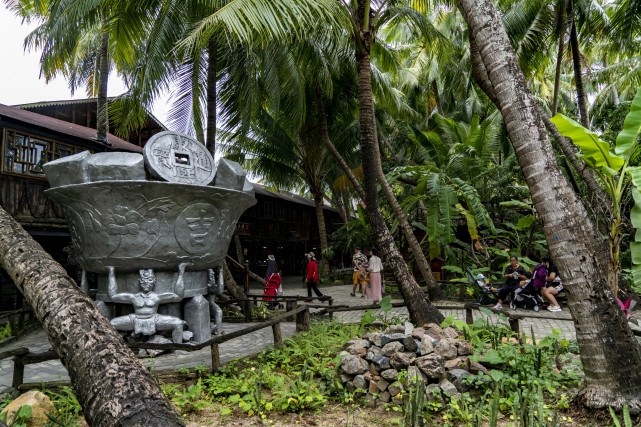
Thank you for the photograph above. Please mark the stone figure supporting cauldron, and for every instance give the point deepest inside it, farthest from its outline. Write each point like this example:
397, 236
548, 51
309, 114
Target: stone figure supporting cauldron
136, 220
146, 320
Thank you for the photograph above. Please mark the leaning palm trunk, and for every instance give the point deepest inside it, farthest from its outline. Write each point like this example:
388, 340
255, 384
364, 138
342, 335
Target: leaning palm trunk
599, 200
102, 115
420, 309
433, 287
110, 383
610, 354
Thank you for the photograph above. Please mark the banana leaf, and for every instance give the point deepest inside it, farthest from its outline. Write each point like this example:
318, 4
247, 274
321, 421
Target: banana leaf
631, 128
596, 153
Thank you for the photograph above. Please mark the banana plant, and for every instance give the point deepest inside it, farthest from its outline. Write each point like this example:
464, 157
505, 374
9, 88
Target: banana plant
618, 177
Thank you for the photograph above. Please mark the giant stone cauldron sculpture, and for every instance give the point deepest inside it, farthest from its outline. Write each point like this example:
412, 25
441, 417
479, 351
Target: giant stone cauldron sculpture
153, 243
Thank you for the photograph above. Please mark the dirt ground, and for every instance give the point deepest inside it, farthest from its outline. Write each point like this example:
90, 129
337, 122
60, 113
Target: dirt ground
341, 416
330, 416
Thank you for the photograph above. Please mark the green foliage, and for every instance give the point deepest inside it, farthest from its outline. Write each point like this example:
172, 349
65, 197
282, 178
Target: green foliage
260, 311
68, 409
20, 419
415, 408
627, 421
386, 306
595, 152
189, 399
5, 331
355, 233
617, 174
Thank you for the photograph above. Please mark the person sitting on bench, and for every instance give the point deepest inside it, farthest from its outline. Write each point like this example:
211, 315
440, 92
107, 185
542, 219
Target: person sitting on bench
553, 285
514, 273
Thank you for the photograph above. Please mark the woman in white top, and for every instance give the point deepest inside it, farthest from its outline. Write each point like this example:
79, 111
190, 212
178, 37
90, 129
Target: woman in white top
375, 268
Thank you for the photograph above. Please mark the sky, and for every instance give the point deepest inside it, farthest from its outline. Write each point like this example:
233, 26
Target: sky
20, 81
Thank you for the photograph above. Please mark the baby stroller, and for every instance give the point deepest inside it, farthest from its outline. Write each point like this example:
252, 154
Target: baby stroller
527, 297
272, 288
486, 295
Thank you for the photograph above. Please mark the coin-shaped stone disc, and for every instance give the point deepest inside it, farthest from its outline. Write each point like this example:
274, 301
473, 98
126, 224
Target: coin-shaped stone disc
176, 157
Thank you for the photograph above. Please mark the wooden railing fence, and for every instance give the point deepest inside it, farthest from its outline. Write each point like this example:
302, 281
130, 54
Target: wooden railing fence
22, 356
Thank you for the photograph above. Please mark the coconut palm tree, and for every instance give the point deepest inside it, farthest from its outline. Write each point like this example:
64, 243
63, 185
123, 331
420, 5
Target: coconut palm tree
83, 42
612, 370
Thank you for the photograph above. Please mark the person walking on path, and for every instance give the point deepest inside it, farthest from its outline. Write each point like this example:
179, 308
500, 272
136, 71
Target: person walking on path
358, 260
312, 276
272, 267
514, 273
553, 285
374, 289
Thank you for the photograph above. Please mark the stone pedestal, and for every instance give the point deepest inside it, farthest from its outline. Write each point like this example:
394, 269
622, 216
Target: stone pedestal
197, 318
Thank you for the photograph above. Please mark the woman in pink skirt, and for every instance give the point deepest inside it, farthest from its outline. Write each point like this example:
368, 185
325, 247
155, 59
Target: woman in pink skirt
375, 268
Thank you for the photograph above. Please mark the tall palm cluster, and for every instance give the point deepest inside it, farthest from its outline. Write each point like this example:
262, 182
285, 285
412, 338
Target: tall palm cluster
275, 85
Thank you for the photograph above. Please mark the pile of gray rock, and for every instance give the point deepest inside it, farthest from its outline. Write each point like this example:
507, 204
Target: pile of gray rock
380, 366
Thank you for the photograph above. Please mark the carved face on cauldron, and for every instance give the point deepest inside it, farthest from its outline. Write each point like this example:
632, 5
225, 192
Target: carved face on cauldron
147, 280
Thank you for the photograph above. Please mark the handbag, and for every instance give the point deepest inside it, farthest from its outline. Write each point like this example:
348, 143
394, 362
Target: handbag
363, 275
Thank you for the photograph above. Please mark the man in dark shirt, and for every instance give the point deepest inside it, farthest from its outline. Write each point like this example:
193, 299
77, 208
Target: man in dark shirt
514, 273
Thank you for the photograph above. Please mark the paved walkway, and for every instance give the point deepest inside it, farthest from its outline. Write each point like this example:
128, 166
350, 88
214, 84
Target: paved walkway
257, 341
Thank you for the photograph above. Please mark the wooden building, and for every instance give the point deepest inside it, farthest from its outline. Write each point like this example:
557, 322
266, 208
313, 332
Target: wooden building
83, 112
29, 140
284, 225
281, 224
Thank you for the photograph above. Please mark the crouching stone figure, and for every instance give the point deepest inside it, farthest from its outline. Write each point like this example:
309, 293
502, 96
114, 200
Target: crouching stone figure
146, 319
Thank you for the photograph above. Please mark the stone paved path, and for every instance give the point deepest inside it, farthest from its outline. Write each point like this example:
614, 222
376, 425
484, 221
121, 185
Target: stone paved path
257, 341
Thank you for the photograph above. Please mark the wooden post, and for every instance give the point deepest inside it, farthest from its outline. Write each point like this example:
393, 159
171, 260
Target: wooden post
21, 321
13, 325
246, 279
248, 310
291, 306
461, 295
331, 303
278, 337
469, 317
514, 325
215, 358
18, 372
302, 321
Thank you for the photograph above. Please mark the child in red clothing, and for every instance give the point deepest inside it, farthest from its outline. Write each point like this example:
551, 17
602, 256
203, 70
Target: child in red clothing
312, 276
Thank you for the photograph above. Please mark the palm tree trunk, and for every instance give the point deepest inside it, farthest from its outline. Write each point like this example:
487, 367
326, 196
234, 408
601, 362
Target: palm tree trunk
110, 383
578, 75
435, 291
324, 132
433, 288
561, 28
102, 114
610, 354
212, 56
239, 249
339, 205
420, 309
